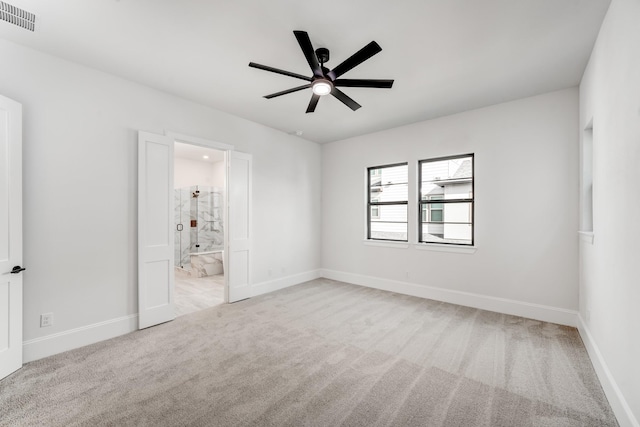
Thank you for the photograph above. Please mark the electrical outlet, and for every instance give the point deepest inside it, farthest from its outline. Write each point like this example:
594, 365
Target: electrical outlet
270, 272
407, 274
46, 319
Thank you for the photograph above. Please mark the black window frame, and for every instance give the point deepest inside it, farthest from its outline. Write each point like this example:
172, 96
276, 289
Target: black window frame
427, 202
392, 203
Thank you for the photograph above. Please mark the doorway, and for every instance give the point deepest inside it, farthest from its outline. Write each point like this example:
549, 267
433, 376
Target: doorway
157, 227
199, 216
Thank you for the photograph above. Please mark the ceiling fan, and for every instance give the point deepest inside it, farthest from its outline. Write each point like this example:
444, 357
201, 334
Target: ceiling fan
325, 81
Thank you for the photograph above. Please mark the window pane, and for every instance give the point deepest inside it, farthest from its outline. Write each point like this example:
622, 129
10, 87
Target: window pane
374, 177
446, 233
449, 180
389, 231
456, 169
391, 223
395, 174
390, 193
392, 213
388, 184
436, 215
451, 224
431, 190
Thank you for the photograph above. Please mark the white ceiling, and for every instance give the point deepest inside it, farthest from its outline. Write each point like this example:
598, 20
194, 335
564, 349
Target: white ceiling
446, 56
194, 152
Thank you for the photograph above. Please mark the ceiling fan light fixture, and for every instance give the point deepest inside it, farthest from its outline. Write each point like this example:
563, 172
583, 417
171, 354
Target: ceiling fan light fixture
322, 87
324, 81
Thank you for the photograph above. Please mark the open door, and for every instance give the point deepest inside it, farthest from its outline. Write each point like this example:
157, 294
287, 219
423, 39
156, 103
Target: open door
10, 236
239, 220
155, 230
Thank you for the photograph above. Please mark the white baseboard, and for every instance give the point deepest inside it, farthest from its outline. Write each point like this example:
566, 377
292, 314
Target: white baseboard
49, 345
501, 305
283, 282
618, 403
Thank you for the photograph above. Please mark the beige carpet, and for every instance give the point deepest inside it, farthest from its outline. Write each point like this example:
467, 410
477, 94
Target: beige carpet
323, 353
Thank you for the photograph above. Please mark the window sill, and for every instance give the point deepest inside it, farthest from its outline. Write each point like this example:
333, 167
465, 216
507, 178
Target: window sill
386, 244
446, 248
586, 236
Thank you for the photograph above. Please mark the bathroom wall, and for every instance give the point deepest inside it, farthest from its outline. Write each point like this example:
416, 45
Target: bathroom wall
207, 210
201, 219
188, 172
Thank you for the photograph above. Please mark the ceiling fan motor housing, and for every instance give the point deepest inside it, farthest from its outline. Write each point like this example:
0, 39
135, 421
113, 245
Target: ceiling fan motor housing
323, 55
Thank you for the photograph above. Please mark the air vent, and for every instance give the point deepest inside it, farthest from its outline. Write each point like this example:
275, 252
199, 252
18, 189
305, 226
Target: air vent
17, 16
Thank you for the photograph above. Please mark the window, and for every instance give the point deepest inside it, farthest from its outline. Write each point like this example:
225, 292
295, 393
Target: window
375, 209
387, 198
446, 200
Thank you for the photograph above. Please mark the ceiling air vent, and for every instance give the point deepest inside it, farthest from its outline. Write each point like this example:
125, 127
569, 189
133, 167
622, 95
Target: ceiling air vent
17, 16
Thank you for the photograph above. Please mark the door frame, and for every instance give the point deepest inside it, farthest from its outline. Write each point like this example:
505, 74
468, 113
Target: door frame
11, 221
226, 149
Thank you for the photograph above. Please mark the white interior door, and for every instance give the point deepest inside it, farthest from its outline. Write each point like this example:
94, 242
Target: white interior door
239, 220
155, 230
10, 236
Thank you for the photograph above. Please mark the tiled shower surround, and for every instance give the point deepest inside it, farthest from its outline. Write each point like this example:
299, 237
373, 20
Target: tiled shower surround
201, 220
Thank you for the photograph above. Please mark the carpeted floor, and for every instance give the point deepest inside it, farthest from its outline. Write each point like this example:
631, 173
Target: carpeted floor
323, 353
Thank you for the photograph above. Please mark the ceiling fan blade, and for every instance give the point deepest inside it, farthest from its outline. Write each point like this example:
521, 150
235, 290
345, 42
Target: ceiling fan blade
312, 104
279, 71
309, 53
345, 99
284, 92
382, 84
354, 60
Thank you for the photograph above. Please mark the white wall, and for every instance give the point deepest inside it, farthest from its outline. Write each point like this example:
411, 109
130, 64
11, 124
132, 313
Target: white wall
80, 187
189, 172
610, 282
218, 173
526, 213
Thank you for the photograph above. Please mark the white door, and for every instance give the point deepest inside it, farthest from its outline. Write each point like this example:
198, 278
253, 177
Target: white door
239, 220
155, 230
10, 236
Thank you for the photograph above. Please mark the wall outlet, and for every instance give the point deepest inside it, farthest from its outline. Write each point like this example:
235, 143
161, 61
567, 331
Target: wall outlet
269, 272
46, 319
407, 274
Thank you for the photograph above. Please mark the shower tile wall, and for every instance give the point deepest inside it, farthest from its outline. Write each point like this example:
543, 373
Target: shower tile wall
207, 210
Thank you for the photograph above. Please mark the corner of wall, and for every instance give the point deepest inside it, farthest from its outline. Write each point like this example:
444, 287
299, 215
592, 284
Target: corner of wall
618, 403
500, 305
50, 345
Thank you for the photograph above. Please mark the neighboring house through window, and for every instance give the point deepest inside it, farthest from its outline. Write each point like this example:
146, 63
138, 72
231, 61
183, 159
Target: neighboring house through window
433, 212
375, 209
446, 200
387, 199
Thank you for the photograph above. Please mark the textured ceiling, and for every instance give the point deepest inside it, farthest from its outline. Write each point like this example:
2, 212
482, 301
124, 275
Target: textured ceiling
445, 56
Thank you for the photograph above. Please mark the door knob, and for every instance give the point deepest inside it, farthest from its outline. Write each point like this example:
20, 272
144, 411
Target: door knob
17, 269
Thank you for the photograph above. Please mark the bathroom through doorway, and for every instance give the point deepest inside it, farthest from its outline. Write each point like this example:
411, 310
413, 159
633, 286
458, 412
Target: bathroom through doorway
199, 216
